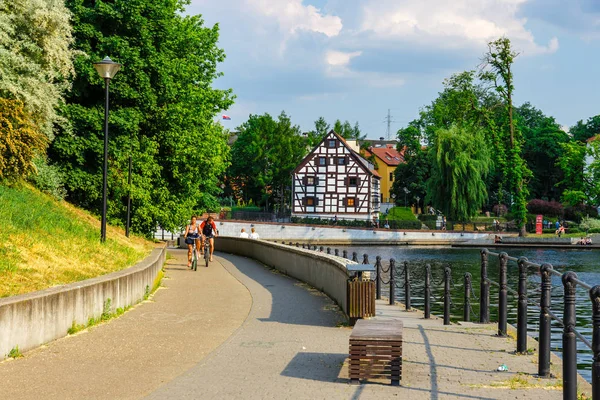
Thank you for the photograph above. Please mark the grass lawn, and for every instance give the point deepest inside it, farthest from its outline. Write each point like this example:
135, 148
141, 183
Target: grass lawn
399, 214
44, 243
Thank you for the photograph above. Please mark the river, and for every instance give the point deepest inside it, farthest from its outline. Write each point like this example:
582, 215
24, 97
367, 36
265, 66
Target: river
585, 262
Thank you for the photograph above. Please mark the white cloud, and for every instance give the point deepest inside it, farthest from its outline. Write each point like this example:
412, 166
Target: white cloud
340, 58
451, 24
293, 16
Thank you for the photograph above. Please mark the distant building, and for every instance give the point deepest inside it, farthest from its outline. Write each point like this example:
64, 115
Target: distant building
387, 158
333, 179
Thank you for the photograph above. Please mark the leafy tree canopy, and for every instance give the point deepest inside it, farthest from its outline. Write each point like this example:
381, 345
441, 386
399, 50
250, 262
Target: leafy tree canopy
582, 131
162, 109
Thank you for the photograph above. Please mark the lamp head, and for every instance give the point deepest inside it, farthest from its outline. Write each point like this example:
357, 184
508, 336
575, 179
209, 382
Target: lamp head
107, 68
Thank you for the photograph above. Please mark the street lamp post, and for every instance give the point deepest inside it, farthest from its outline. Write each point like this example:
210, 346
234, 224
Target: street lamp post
405, 194
418, 198
107, 69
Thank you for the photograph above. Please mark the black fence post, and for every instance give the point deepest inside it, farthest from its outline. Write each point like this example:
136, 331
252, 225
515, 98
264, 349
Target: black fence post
484, 290
569, 340
163, 234
595, 297
447, 276
378, 281
321, 249
337, 252
545, 320
406, 286
291, 244
329, 250
427, 294
297, 244
502, 296
315, 247
365, 258
522, 307
466, 311
392, 282
345, 254
354, 256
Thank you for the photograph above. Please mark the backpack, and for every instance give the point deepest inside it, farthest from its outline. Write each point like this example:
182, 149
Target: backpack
208, 229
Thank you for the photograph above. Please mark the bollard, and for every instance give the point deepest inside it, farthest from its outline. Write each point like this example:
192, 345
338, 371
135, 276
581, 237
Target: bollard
595, 297
502, 296
329, 250
378, 281
545, 319
392, 281
337, 252
522, 307
365, 258
297, 244
427, 294
447, 276
303, 246
345, 254
354, 257
315, 247
163, 234
569, 340
466, 311
291, 244
406, 286
484, 290
321, 249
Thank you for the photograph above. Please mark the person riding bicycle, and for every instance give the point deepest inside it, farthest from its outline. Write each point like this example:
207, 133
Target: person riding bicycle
209, 231
192, 235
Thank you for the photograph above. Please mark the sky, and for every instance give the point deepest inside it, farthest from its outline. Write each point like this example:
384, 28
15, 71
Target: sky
355, 59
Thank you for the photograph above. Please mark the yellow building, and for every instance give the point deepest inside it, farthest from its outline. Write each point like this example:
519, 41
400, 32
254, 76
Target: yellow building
387, 159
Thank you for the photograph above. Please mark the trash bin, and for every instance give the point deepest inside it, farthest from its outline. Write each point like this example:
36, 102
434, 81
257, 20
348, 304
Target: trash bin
361, 292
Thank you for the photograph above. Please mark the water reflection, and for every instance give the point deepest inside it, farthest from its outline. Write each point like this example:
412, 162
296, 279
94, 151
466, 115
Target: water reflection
584, 262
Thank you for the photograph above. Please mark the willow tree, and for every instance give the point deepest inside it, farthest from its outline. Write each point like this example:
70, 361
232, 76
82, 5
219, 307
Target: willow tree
460, 163
507, 138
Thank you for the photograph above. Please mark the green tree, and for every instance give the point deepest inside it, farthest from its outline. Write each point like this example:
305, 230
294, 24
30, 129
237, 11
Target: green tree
264, 156
542, 139
315, 136
461, 161
582, 131
497, 69
162, 111
414, 172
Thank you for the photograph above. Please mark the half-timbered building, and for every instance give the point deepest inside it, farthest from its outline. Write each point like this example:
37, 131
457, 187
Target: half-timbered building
335, 180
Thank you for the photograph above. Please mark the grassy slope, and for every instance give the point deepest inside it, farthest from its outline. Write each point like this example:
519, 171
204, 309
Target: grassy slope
44, 243
400, 214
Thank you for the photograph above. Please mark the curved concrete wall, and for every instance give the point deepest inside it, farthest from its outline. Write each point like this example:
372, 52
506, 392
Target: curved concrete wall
325, 272
33, 319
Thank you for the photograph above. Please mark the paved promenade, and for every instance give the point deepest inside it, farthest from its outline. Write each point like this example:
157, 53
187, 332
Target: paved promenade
237, 330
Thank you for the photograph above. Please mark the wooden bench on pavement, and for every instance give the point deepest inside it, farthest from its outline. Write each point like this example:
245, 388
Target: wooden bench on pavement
376, 350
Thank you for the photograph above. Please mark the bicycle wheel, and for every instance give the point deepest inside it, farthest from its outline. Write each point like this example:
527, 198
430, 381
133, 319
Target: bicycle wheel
194, 260
206, 254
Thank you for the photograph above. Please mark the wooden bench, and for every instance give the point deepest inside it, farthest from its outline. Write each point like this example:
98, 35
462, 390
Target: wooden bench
376, 350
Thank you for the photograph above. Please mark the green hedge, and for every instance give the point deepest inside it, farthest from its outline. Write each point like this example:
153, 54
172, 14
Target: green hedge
400, 213
428, 217
404, 225
248, 208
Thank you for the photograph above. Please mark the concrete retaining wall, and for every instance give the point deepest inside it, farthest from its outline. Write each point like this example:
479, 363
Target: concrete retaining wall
33, 319
325, 272
339, 235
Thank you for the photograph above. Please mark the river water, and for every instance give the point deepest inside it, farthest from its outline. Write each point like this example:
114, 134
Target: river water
585, 262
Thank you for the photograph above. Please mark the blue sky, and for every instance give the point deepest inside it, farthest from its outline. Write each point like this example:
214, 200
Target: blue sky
355, 59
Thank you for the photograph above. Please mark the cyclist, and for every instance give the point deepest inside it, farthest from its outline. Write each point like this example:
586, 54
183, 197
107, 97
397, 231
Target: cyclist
192, 235
209, 231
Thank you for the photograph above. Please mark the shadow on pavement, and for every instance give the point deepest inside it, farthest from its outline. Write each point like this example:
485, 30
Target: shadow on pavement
316, 367
293, 302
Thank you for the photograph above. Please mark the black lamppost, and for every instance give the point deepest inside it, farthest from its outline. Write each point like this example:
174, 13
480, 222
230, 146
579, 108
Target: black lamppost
128, 192
107, 69
405, 194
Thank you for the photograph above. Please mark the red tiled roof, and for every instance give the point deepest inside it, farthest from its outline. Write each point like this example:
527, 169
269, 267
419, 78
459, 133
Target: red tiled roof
387, 154
593, 138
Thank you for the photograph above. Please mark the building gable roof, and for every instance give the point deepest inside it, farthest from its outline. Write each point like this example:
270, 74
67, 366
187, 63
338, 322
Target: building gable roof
388, 155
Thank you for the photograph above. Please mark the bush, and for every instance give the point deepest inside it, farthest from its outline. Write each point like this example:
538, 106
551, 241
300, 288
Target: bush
246, 208
550, 208
499, 209
594, 230
587, 224
402, 224
578, 212
48, 179
427, 217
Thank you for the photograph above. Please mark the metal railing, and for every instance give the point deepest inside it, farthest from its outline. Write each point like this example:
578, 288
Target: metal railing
569, 280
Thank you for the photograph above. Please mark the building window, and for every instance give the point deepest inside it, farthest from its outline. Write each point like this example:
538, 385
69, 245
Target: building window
350, 201
391, 176
322, 161
310, 201
341, 160
352, 181
331, 143
310, 181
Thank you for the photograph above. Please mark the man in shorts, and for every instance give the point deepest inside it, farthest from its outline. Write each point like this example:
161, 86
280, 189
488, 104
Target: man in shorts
209, 232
